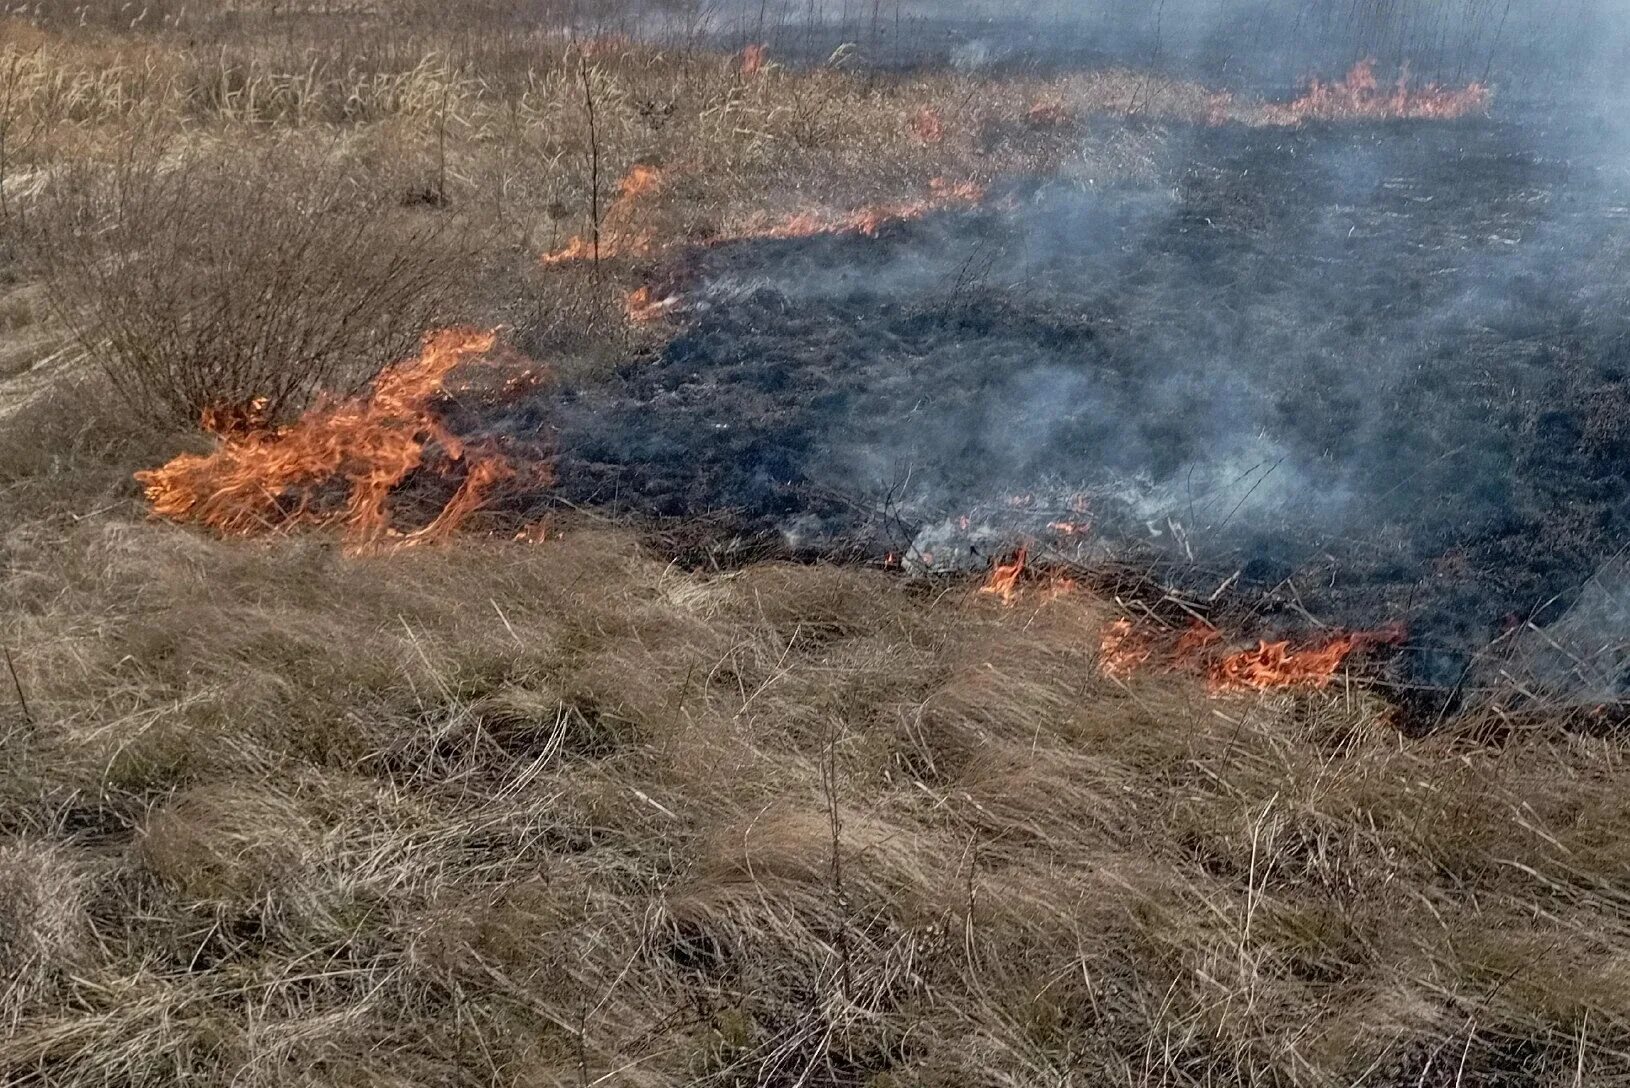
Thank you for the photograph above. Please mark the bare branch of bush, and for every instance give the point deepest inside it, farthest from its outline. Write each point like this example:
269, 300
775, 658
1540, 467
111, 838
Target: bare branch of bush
229, 281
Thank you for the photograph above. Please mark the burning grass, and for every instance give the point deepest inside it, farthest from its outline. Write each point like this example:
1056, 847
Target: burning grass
265, 479
1360, 96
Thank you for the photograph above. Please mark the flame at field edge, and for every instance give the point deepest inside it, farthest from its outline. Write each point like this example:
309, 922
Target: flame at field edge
339, 464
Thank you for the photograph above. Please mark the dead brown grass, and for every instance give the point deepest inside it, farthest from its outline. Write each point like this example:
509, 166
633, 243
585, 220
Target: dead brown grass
558, 812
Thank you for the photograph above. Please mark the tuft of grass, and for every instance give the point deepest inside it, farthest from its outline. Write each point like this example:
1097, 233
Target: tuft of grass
45, 933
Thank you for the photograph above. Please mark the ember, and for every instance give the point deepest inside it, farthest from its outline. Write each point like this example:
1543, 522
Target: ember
269, 479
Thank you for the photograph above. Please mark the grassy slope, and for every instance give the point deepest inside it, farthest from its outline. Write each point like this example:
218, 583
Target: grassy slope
559, 813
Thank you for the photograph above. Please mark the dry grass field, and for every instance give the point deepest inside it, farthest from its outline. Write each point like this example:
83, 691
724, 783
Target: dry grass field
557, 811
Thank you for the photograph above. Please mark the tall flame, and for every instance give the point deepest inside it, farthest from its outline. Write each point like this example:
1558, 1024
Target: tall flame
266, 479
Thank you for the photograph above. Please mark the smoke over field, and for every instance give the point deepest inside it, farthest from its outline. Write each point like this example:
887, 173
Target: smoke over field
1374, 370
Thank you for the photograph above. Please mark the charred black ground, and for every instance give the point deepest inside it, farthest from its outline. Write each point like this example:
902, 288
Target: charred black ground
1380, 372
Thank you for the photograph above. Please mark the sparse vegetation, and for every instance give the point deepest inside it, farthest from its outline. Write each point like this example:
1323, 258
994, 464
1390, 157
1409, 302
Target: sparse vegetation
557, 812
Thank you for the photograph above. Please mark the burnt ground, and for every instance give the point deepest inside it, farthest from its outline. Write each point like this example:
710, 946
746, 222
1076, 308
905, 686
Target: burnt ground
1380, 372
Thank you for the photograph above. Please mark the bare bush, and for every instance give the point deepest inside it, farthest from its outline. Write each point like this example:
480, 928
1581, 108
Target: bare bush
228, 281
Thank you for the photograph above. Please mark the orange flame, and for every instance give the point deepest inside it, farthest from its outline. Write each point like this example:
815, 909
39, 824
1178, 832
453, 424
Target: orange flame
1275, 665
1004, 578
643, 307
269, 479
1360, 96
753, 59
1048, 113
605, 45
617, 240
1122, 650
869, 220
615, 237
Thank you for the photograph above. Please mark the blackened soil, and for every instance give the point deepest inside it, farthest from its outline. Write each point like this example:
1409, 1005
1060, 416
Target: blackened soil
1381, 370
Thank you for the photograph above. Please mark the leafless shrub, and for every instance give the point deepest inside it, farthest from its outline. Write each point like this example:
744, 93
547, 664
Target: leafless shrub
227, 281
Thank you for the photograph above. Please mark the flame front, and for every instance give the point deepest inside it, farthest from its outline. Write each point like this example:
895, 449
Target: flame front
1275, 665
617, 239
1123, 650
869, 220
268, 479
1359, 96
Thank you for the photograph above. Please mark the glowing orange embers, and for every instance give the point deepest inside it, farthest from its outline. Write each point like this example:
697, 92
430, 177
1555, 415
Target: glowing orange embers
338, 464
616, 237
1360, 96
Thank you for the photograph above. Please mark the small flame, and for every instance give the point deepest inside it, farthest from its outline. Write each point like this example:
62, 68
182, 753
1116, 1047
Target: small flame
615, 236
1049, 113
267, 479
753, 60
1060, 585
643, 307
616, 239
1004, 578
869, 220
928, 126
1122, 650
1360, 96
606, 45
1275, 665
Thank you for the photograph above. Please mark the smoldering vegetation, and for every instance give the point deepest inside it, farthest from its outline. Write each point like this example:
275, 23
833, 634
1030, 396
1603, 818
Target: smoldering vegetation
1376, 371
